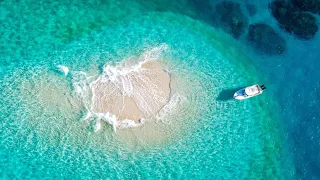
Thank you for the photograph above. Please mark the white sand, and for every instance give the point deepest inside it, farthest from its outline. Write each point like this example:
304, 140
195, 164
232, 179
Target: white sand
138, 94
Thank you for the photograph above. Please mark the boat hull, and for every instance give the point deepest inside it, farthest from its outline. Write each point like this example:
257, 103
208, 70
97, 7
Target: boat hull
241, 94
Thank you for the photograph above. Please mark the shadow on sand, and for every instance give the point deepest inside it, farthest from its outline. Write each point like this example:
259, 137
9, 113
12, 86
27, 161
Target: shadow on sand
227, 94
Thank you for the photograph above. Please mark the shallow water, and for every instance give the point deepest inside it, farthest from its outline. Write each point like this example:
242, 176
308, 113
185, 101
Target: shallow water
212, 136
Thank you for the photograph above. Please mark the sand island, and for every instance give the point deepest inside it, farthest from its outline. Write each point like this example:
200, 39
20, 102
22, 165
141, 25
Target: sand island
134, 93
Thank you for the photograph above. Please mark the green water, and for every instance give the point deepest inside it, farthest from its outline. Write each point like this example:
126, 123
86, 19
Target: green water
42, 135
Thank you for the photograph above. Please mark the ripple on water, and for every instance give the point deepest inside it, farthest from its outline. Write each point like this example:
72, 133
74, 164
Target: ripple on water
225, 138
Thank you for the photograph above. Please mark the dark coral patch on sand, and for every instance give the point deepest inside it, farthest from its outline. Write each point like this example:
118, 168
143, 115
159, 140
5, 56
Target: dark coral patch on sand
300, 23
230, 17
265, 39
308, 5
252, 10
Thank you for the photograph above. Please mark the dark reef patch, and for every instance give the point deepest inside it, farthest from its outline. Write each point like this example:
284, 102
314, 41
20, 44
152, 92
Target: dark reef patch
300, 23
230, 17
252, 10
265, 39
308, 5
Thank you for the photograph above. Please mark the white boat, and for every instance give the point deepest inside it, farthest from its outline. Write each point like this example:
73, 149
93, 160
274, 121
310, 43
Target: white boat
248, 92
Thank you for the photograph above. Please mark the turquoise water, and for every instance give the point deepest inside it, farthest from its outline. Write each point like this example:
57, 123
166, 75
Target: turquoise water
212, 137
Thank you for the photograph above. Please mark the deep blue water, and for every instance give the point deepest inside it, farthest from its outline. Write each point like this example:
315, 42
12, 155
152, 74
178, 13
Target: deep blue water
293, 79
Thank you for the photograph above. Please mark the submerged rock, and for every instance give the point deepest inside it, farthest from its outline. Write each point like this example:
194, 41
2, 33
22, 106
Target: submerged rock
308, 5
230, 17
293, 20
265, 39
252, 10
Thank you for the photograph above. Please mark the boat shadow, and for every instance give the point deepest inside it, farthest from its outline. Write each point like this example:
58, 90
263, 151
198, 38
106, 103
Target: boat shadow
227, 94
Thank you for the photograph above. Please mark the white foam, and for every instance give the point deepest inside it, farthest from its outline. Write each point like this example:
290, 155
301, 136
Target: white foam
98, 117
154, 53
114, 72
63, 69
125, 124
88, 115
98, 126
80, 83
170, 107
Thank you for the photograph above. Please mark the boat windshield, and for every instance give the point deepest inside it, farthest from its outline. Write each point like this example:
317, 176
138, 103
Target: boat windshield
252, 90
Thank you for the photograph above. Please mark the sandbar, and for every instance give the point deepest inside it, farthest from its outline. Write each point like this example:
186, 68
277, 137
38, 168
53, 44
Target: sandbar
134, 95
